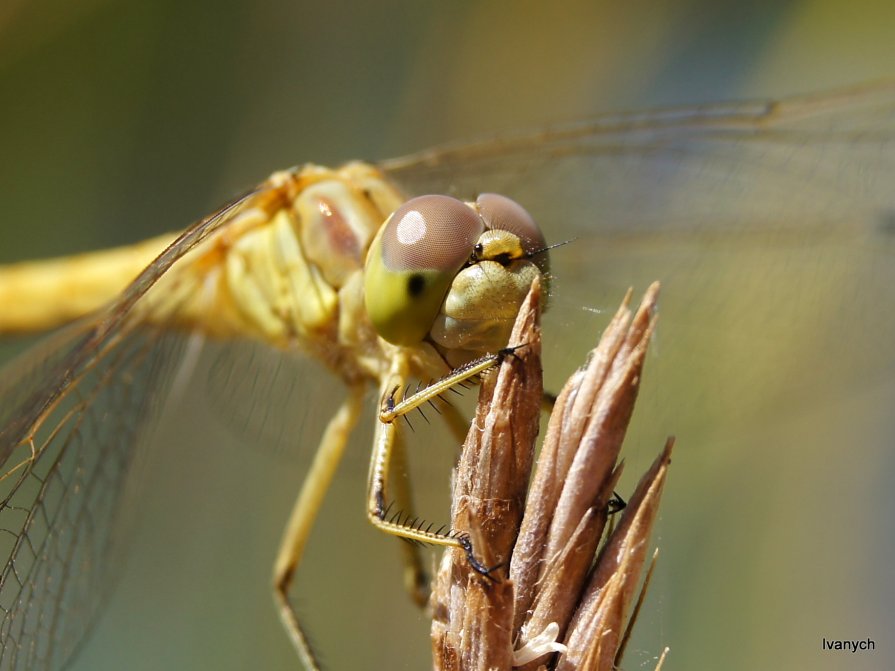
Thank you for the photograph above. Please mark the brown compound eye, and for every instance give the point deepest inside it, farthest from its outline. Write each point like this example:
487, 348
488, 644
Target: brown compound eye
430, 233
503, 214
412, 262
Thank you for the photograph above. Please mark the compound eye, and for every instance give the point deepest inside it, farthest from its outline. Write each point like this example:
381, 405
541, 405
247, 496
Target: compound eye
412, 262
430, 233
503, 214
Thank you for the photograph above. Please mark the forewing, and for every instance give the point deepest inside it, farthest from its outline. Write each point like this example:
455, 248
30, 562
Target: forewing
769, 226
798, 165
61, 514
75, 410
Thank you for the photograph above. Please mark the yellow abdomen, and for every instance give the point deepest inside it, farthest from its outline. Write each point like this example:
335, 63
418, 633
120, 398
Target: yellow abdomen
40, 295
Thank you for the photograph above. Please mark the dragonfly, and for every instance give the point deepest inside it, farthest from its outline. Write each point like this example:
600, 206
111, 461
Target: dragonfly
744, 212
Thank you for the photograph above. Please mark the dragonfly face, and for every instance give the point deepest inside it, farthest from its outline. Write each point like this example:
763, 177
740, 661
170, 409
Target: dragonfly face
452, 272
770, 229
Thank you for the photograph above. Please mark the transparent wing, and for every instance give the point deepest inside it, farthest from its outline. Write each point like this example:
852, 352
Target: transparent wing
29, 403
60, 515
770, 226
260, 394
798, 165
74, 411
24, 374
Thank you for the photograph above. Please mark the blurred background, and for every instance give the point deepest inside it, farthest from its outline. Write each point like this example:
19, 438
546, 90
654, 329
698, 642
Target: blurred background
120, 120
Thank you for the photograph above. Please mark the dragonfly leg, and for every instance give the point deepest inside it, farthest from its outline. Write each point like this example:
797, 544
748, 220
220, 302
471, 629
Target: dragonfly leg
378, 509
304, 512
416, 578
391, 409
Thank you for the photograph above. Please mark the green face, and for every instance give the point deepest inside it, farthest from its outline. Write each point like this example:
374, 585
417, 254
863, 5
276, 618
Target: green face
452, 272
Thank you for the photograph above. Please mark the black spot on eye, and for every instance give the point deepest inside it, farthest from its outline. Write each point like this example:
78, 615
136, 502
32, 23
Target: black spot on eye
415, 285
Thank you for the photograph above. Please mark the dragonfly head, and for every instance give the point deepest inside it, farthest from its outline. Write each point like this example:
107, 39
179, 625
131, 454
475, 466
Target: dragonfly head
452, 272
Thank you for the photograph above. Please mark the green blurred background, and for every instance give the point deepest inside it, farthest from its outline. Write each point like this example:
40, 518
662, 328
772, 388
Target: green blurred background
119, 120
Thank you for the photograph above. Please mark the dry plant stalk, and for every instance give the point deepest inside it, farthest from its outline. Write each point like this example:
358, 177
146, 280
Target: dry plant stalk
553, 602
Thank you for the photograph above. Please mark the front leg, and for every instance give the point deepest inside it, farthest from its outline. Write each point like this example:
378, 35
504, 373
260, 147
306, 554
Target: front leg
378, 506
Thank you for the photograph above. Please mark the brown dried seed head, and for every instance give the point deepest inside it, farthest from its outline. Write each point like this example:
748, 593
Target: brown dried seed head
548, 592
